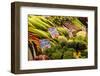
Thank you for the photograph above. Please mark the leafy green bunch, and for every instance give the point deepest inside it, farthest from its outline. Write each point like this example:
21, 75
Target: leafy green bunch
64, 50
58, 20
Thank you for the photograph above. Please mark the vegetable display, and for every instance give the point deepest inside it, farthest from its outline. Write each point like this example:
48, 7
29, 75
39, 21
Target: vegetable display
57, 37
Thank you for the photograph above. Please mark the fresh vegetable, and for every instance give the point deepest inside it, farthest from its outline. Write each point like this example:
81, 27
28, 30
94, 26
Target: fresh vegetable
56, 55
68, 55
81, 33
62, 38
37, 24
39, 33
75, 21
62, 31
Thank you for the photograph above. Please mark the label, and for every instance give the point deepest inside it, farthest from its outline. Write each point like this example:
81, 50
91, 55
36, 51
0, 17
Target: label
54, 33
44, 43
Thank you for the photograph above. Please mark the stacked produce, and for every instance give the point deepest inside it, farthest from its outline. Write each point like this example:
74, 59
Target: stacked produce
57, 37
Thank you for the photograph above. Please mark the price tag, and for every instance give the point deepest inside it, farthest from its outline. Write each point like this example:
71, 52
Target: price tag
54, 33
44, 43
